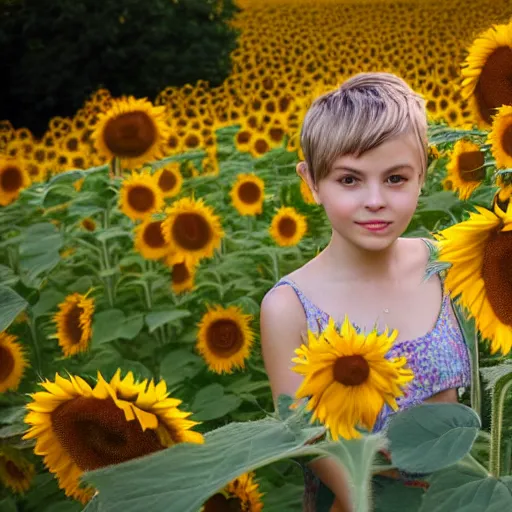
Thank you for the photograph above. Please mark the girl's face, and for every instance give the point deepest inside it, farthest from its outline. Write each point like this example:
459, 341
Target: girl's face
371, 199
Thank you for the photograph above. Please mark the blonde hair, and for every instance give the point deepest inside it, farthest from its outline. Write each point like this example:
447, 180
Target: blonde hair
365, 111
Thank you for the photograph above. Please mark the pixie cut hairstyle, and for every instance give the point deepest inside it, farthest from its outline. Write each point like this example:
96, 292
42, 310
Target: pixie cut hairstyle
365, 111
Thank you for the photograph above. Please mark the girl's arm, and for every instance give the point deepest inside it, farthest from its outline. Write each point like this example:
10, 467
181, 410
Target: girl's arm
282, 320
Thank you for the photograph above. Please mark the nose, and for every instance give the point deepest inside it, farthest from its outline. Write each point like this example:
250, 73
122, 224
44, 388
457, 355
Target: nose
374, 198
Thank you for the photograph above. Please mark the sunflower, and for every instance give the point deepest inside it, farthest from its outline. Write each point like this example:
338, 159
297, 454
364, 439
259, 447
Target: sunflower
288, 226
192, 230
247, 194
479, 251
12, 362
242, 494
88, 224
348, 378
140, 196
225, 338
133, 130
182, 277
149, 240
466, 168
13, 178
169, 180
305, 192
487, 73
74, 321
504, 181
16, 472
79, 428
501, 137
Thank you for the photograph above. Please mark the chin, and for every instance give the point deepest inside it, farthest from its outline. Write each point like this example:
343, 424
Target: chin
373, 243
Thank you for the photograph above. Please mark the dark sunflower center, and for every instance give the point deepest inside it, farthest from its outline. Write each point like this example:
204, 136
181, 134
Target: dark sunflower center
95, 433
261, 146
74, 330
471, 166
249, 192
6, 363
14, 471
180, 273
494, 87
166, 180
506, 139
243, 137
276, 134
153, 235
141, 198
497, 275
130, 134
191, 231
11, 179
89, 224
351, 370
224, 338
287, 227
219, 503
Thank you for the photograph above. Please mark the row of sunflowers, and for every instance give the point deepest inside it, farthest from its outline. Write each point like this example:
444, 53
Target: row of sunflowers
131, 282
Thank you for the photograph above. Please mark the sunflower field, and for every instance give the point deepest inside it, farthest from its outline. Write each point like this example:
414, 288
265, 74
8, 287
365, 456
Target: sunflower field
138, 238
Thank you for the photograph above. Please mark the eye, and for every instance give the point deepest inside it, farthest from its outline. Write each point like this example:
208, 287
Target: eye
396, 178
347, 180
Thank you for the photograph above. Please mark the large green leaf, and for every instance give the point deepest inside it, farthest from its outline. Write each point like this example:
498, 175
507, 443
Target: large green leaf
430, 437
7, 276
493, 374
11, 305
48, 300
8, 505
459, 488
112, 324
390, 495
212, 403
182, 477
156, 319
179, 365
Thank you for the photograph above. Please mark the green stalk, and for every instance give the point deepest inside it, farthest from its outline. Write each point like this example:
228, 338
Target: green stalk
35, 343
476, 394
107, 280
275, 264
498, 403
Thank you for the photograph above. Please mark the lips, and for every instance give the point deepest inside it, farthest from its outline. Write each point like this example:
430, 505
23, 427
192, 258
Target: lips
374, 225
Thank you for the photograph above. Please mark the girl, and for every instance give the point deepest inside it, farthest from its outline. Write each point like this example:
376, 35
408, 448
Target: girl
365, 147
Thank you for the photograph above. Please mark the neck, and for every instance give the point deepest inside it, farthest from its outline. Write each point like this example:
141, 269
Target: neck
344, 260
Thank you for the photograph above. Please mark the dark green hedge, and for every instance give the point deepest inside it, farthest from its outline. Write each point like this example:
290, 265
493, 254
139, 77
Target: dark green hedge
55, 53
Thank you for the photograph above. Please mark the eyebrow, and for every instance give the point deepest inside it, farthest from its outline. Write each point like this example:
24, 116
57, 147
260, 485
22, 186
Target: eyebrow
357, 171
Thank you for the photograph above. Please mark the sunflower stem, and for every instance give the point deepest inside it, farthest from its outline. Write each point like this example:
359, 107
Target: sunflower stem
476, 395
498, 403
35, 344
275, 264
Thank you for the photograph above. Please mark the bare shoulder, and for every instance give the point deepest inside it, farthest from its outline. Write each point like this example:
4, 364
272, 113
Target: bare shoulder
416, 253
282, 306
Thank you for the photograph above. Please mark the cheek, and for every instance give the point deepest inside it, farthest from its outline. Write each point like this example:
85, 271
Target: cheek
341, 207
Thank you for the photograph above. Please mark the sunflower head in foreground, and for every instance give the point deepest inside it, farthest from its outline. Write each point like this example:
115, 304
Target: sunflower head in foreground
348, 378
288, 226
74, 323
225, 338
192, 230
16, 472
169, 180
133, 130
487, 73
140, 196
240, 495
479, 250
13, 179
247, 194
466, 169
12, 362
149, 240
500, 137
80, 428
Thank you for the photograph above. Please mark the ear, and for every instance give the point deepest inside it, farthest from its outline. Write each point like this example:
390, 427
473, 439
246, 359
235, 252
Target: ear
302, 171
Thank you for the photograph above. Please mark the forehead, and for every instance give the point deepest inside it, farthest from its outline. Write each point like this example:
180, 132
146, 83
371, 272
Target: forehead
400, 150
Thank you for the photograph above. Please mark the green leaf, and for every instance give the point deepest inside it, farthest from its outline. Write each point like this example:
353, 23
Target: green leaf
156, 319
48, 300
211, 403
493, 374
287, 498
7, 276
13, 414
391, 495
112, 324
438, 202
463, 489
179, 365
11, 305
184, 476
8, 505
81, 285
430, 437
114, 232
64, 506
